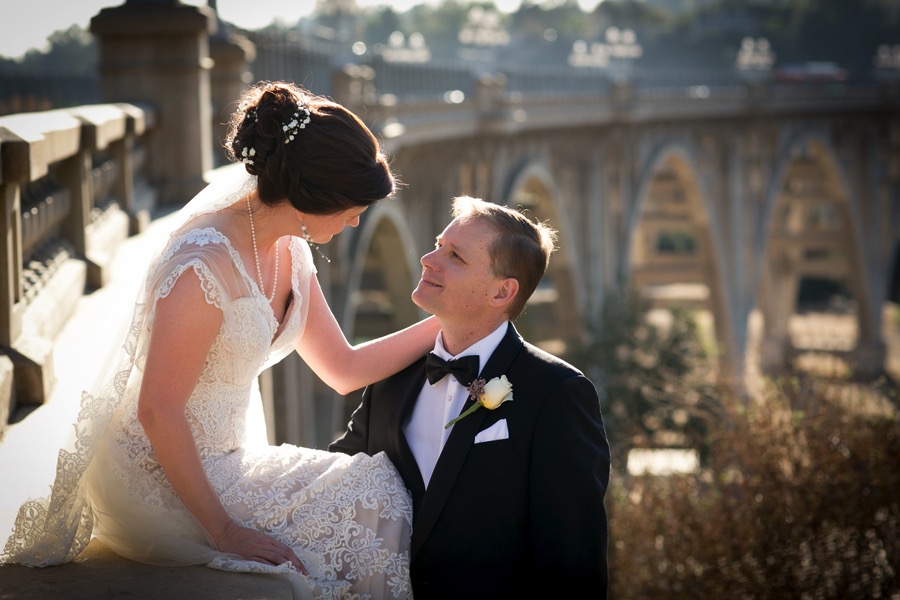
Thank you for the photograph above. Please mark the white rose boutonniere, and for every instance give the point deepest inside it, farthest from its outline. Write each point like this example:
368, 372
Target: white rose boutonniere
490, 395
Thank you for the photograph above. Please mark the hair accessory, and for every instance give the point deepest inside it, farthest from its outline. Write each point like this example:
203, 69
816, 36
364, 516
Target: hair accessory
296, 124
247, 157
312, 244
262, 286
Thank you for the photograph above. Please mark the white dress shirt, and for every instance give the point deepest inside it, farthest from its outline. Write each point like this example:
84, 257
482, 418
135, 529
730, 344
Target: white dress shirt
438, 404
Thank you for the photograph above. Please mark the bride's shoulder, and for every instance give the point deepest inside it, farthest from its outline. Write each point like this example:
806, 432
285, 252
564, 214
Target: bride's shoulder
200, 236
300, 251
206, 243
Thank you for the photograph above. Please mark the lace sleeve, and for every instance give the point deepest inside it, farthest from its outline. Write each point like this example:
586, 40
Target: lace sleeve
209, 254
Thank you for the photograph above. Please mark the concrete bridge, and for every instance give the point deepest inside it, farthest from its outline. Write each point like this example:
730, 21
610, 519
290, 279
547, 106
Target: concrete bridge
720, 197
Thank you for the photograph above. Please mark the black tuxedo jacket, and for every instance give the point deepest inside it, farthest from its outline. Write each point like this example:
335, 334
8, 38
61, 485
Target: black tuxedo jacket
511, 518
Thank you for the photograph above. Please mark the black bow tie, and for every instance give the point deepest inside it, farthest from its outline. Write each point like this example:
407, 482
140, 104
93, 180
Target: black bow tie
465, 368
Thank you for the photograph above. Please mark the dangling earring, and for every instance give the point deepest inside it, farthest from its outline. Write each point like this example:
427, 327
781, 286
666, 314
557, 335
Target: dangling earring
312, 244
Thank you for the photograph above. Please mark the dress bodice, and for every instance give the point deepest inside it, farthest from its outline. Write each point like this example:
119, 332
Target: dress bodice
250, 339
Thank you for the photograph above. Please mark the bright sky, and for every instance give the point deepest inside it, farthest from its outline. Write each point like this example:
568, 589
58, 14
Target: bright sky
34, 20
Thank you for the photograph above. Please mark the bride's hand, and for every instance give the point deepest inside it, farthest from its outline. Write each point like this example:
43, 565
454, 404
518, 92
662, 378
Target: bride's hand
256, 545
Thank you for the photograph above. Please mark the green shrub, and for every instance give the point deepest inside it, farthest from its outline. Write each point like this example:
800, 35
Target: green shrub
656, 383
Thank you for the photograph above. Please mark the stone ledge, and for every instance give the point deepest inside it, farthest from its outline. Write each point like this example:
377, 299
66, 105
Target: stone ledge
99, 574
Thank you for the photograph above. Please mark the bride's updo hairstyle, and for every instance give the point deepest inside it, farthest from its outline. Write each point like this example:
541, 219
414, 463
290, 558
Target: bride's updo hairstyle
308, 149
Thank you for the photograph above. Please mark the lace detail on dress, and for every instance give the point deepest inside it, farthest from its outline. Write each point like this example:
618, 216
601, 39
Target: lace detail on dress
198, 237
309, 498
210, 291
53, 530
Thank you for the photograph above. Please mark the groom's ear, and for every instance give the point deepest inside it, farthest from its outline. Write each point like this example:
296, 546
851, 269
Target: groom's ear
506, 292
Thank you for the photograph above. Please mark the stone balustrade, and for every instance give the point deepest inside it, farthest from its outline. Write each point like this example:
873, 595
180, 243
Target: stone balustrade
73, 186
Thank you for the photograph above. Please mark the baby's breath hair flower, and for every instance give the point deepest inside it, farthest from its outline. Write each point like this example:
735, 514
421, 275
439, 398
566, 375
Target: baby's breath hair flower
296, 124
247, 155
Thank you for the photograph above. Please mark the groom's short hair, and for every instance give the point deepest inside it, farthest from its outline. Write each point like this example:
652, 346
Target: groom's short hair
521, 249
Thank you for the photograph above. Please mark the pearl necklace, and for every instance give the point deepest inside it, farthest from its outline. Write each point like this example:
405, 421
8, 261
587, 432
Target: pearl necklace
262, 286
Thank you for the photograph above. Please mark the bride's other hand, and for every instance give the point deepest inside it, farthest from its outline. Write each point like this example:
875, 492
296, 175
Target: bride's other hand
257, 546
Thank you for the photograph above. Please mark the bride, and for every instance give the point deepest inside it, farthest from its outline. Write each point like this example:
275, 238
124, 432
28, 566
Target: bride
164, 467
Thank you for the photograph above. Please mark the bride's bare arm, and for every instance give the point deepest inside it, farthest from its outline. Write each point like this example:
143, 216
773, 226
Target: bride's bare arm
184, 329
344, 367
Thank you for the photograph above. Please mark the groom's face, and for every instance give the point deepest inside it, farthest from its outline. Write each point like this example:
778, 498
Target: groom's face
457, 282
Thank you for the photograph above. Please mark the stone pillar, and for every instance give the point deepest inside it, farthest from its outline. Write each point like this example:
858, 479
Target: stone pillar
868, 357
138, 206
731, 359
778, 297
353, 86
157, 52
490, 92
624, 96
231, 54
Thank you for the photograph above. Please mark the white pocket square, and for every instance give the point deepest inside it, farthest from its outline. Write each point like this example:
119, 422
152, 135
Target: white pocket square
497, 431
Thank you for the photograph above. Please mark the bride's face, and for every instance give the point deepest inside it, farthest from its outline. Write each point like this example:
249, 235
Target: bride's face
322, 228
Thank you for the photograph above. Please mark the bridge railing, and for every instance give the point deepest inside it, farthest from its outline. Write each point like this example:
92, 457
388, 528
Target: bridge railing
544, 81
285, 55
73, 185
26, 92
501, 103
443, 91
417, 81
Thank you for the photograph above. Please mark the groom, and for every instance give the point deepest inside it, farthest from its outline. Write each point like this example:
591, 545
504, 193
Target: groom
508, 501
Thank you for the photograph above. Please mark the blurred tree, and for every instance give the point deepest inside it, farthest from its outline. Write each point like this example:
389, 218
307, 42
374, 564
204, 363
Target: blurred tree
440, 25
656, 384
379, 26
71, 51
63, 75
846, 32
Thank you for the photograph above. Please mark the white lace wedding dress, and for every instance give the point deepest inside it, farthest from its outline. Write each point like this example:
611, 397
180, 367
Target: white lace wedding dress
347, 518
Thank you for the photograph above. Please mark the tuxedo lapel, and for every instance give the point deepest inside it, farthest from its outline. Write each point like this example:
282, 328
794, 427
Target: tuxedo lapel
459, 443
406, 462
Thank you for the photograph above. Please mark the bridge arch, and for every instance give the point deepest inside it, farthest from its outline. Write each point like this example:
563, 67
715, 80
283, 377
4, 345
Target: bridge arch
810, 237
382, 271
548, 321
674, 255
